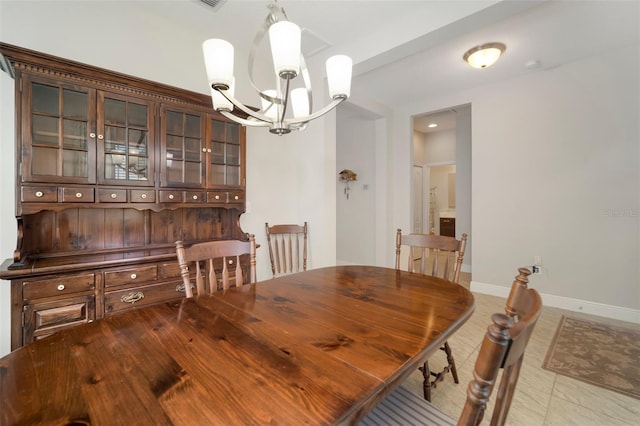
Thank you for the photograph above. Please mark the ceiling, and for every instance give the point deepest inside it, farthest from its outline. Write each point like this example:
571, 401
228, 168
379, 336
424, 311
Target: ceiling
405, 51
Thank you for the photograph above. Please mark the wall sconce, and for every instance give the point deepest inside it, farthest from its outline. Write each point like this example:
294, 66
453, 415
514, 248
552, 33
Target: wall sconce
347, 176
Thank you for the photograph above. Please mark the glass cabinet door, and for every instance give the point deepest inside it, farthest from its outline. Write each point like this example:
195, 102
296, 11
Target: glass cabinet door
58, 130
225, 159
183, 148
125, 140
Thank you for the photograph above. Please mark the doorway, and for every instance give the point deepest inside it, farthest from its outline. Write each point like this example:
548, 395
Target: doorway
442, 152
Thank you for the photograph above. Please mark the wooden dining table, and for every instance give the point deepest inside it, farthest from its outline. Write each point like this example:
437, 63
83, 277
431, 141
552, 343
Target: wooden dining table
318, 347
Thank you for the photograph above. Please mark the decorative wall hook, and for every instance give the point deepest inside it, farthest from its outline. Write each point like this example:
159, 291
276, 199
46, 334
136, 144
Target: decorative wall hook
347, 176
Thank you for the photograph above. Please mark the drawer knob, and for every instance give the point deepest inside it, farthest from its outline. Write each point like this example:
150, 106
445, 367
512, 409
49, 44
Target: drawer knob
236, 197
100, 137
60, 287
230, 261
39, 194
217, 197
132, 297
195, 197
143, 196
78, 194
171, 196
204, 149
114, 196
134, 276
92, 135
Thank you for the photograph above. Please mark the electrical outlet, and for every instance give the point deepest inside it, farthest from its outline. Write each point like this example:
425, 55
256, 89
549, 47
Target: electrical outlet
537, 260
536, 269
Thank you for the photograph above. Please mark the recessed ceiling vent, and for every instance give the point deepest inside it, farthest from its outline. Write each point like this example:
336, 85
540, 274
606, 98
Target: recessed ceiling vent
215, 5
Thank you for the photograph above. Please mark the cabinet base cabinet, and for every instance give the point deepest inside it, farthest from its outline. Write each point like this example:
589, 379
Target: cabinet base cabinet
43, 319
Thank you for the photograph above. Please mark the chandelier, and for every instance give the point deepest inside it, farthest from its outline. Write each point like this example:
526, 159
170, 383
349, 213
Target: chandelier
284, 108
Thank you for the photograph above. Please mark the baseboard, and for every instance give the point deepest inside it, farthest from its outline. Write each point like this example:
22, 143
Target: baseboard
575, 305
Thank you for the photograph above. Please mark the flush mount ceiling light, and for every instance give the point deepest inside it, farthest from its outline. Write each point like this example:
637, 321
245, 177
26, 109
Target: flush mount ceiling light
288, 63
485, 55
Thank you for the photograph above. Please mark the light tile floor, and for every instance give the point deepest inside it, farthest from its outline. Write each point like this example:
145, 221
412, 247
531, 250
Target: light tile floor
542, 397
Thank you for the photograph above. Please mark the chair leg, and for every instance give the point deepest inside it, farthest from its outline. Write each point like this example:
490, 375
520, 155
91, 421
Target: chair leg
426, 384
451, 361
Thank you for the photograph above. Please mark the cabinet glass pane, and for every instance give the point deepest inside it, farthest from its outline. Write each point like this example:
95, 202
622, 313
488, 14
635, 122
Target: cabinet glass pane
192, 149
115, 112
192, 172
74, 163
217, 175
217, 153
218, 128
45, 99
174, 145
192, 126
233, 132
233, 154
233, 175
137, 115
45, 130
174, 171
75, 104
115, 166
174, 123
74, 134
114, 139
44, 161
137, 142
137, 168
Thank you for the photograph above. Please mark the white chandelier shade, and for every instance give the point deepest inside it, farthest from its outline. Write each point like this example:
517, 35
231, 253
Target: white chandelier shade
285, 43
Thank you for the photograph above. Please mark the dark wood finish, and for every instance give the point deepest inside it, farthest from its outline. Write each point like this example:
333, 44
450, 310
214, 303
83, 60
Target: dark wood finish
448, 226
219, 258
318, 347
94, 188
503, 346
284, 243
428, 250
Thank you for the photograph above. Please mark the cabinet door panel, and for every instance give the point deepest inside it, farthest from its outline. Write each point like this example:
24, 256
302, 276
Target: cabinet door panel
58, 124
44, 319
183, 147
125, 140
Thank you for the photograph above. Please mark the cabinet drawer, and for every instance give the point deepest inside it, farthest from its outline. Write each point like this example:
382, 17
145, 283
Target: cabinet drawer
77, 195
43, 319
194, 197
57, 286
236, 197
131, 276
143, 196
39, 194
170, 270
170, 196
106, 195
118, 301
216, 197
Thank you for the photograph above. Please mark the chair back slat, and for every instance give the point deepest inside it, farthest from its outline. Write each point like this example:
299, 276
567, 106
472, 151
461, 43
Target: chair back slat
438, 256
211, 253
284, 243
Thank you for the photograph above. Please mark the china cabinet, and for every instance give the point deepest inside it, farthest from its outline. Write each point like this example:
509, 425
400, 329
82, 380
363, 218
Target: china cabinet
111, 170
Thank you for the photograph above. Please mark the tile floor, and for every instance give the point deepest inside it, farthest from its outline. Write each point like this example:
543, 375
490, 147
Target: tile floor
542, 397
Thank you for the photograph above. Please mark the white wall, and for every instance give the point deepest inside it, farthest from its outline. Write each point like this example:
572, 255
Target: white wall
355, 218
439, 147
555, 173
8, 229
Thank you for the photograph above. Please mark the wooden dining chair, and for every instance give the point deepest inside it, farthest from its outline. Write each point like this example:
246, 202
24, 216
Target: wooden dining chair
441, 257
503, 347
287, 248
216, 260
